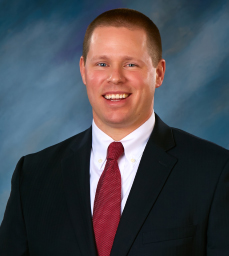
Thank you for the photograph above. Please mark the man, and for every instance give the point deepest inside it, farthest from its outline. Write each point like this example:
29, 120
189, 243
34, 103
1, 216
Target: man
130, 185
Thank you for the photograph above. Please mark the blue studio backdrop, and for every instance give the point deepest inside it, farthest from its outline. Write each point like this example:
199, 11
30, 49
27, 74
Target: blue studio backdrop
43, 100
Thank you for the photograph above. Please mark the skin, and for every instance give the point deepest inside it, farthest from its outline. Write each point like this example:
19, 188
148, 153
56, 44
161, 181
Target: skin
118, 62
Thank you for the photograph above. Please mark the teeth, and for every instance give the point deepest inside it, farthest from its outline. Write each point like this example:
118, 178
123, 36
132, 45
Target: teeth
116, 96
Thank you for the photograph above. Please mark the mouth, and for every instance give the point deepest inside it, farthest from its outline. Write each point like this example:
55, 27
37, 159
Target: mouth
116, 97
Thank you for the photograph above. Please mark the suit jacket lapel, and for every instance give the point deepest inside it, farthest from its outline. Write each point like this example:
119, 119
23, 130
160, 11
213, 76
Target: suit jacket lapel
153, 171
76, 179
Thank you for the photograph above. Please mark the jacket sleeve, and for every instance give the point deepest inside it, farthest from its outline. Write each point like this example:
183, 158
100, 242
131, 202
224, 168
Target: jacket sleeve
218, 226
13, 240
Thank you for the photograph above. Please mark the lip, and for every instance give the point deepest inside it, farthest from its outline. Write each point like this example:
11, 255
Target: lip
118, 92
114, 93
116, 102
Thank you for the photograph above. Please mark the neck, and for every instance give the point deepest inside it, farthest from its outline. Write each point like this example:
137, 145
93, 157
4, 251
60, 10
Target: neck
116, 134
117, 131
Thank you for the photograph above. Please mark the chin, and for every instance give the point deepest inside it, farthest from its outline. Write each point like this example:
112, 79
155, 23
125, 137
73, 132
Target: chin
118, 122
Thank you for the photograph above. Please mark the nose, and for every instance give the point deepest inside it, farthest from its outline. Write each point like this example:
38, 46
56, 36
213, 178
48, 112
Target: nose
116, 75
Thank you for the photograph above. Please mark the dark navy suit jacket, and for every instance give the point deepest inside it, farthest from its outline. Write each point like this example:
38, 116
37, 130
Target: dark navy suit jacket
178, 204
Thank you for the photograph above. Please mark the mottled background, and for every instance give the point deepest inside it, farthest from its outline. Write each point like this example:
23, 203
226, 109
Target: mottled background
42, 98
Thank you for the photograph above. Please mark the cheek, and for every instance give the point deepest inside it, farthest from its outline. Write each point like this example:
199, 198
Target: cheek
95, 77
142, 83
144, 86
94, 85
135, 80
149, 83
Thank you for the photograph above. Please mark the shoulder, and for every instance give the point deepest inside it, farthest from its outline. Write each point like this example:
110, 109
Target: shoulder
183, 144
57, 152
198, 150
189, 140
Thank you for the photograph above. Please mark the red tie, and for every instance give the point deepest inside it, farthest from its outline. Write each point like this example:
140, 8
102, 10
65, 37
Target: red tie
107, 205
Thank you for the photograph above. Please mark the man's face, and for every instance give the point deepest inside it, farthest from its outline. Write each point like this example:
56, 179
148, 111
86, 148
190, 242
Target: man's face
120, 77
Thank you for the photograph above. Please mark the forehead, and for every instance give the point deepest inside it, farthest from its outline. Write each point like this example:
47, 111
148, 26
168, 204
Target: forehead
120, 39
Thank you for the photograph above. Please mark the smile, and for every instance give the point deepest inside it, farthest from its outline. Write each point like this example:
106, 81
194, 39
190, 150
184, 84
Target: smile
116, 96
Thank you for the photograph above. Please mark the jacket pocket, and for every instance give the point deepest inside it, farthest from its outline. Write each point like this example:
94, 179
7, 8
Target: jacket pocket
159, 235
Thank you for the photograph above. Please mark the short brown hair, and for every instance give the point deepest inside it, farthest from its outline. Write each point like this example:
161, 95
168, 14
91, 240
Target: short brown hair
130, 19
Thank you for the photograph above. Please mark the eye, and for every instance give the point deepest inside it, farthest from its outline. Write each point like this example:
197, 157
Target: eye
102, 64
131, 65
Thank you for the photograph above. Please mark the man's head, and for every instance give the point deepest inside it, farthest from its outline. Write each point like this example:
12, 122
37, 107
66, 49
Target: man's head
130, 19
121, 73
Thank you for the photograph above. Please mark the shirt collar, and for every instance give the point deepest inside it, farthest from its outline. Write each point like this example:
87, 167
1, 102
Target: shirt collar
134, 143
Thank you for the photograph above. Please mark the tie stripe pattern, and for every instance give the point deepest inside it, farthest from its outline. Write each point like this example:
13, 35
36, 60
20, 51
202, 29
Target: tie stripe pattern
107, 205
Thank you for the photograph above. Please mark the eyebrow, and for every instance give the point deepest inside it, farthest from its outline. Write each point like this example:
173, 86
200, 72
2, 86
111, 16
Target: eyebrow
99, 57
105, 57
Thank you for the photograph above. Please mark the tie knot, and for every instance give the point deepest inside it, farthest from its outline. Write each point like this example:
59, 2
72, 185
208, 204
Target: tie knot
115, 150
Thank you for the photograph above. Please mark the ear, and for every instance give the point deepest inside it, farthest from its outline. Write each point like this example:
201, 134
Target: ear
82, 69
160, 72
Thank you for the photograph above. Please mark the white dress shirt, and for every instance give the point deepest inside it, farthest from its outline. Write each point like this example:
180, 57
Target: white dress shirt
134, 145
